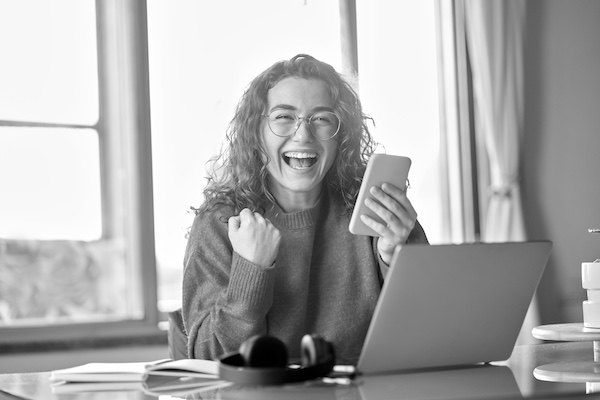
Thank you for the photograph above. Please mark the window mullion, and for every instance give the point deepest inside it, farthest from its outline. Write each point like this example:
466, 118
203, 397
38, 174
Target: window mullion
124, 129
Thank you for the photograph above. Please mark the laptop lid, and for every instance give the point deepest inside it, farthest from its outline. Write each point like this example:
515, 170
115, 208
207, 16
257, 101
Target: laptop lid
447, 305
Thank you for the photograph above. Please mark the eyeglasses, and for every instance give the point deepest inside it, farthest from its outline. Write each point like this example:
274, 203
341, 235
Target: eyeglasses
323, 124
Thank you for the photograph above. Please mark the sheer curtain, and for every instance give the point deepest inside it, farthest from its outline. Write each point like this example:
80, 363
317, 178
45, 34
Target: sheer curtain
494, 32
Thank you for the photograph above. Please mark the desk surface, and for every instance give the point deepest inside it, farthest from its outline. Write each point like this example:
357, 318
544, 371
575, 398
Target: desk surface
513, 379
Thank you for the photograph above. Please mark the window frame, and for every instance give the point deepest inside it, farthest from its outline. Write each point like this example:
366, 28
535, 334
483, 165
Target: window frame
124, 115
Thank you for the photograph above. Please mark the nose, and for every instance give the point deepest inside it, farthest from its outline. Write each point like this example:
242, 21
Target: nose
303, 132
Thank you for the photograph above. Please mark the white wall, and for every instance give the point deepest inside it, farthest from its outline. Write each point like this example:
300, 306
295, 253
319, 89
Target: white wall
562, 145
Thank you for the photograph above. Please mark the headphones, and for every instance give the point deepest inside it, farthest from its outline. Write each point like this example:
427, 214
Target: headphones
263, 360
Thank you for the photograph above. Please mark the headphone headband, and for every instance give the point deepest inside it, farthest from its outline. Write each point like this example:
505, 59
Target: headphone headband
232, 368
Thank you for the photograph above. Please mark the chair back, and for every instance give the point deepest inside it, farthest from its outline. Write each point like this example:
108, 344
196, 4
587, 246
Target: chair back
177, 336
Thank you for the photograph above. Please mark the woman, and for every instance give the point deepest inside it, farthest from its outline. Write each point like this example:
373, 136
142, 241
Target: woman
269, 250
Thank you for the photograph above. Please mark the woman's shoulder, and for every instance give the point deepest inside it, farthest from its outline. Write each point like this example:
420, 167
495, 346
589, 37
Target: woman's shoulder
215, 209
211, 219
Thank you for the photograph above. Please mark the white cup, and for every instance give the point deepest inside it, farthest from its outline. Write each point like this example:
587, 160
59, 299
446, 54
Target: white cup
590, 280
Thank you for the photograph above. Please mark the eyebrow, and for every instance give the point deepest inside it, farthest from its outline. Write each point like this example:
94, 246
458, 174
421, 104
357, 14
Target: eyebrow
292, 108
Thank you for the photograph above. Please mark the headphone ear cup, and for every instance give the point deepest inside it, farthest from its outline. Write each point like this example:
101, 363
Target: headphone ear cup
314, 350
264, 352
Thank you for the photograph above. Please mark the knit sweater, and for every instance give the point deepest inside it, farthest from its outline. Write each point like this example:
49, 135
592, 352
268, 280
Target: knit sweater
324, 280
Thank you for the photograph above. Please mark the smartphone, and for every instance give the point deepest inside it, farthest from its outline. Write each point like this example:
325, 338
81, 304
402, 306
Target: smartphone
381, 168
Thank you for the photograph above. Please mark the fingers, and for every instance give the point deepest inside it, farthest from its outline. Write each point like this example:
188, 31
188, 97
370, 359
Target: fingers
393, 207
397, 214
254, 237
398, 218
395, 200
246, 217
234, 223
246, 220
374, 225
252, 218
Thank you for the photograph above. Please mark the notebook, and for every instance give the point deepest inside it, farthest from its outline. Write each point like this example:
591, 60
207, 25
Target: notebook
451, 305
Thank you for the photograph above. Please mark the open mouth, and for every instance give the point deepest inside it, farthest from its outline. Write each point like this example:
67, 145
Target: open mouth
298, 160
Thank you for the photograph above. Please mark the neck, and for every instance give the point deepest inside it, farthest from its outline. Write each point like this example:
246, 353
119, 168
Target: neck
296, 201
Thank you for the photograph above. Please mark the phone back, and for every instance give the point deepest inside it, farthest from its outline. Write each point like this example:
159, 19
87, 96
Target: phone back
381, 168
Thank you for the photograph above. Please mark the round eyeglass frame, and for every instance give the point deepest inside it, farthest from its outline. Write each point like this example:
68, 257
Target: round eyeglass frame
308, 121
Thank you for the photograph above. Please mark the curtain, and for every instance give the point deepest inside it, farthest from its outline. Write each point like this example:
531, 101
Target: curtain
494, 33
494, 30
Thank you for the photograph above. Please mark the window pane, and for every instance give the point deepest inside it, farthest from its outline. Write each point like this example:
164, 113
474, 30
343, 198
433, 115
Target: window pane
45, 282
398, 82
56, 263
202, 56
50, 184
48, 71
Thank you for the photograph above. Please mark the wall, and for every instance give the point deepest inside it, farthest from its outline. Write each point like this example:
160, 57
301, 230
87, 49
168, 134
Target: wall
561, 179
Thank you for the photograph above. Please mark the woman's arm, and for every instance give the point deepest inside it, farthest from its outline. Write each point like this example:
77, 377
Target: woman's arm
417, 235
225, 296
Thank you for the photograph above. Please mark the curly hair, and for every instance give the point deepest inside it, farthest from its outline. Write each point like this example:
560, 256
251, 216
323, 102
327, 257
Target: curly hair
239, 176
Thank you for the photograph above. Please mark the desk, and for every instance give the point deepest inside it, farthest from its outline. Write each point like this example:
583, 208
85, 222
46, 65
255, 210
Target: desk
512, 379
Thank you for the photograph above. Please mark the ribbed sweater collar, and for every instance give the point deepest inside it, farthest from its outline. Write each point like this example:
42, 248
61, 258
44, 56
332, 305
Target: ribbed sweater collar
297, 219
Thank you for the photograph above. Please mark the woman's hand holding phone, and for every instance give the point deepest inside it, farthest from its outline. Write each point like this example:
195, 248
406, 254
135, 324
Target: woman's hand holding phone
382, 207
398, 218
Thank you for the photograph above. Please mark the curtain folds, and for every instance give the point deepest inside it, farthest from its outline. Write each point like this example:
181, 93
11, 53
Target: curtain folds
494, 33
494, 30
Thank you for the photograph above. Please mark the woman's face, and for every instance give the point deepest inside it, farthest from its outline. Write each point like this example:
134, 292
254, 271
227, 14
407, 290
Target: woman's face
298, 163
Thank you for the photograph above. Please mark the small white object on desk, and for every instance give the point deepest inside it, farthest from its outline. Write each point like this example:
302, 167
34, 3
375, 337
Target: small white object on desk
571, 332
590, 280
589, 330
575, 371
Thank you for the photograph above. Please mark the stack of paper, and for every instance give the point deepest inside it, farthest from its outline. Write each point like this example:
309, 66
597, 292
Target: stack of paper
158, 377
185, 367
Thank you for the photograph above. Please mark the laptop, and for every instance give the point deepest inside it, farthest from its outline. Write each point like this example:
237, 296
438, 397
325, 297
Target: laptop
452, 305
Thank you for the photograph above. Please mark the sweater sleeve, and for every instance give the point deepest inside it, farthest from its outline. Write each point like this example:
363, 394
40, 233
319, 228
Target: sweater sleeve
417, 235
225, 297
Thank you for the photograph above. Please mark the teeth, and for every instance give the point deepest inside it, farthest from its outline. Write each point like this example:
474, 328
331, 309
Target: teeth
300, 160
296, 154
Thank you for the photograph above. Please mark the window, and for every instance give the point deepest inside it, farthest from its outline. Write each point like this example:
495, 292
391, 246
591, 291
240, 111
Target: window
40, 167
76, 231
48, 109
399, 88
